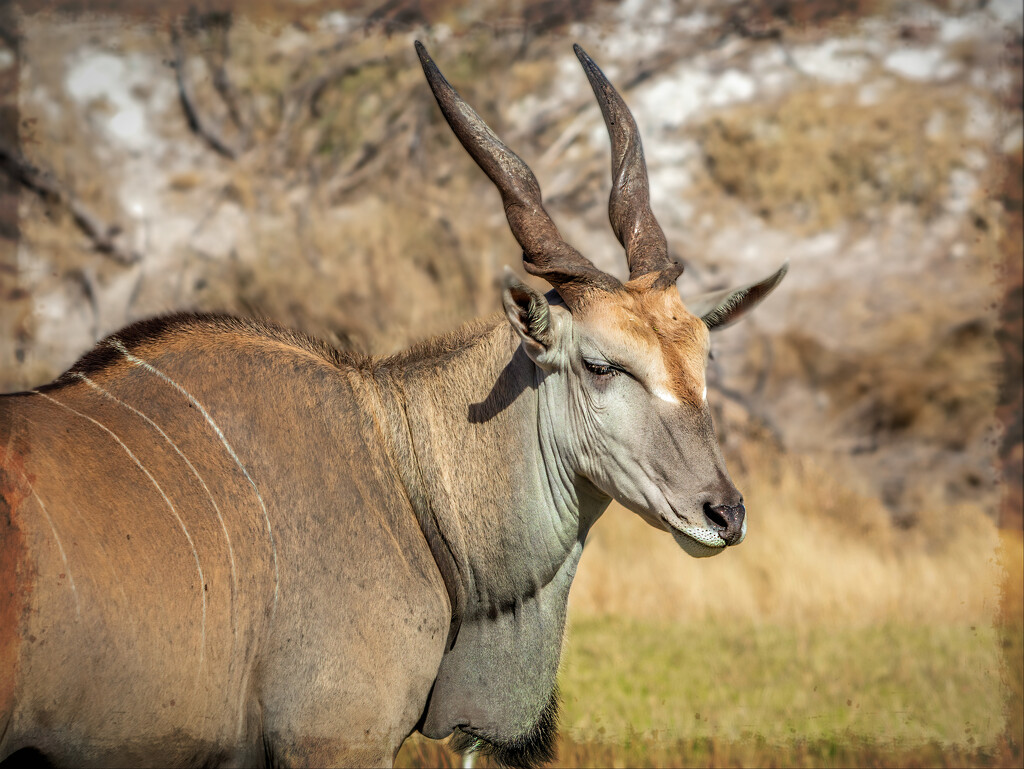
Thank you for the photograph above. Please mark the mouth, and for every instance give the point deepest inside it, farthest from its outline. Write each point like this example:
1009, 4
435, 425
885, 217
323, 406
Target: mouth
697, 541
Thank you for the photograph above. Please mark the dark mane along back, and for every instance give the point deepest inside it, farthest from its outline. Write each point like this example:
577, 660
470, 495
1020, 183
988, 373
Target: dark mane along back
437, 350
105, 354
432, 352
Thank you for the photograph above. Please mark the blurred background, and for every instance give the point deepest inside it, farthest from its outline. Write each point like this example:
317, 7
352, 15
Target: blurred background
285, 159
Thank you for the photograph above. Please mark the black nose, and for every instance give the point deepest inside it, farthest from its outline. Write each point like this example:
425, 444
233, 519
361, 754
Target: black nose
727, 520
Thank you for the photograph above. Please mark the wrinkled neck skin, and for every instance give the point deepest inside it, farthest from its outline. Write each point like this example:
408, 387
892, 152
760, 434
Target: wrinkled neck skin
486, 428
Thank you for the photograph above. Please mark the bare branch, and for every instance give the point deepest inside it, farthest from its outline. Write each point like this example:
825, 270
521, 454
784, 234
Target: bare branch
756, 413
9, 38
388, 127
195, 122
221, 80
104, 236
307, 95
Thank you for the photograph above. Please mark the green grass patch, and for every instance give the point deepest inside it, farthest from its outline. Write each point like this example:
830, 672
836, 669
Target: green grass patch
626, 681
731, 694
708, 752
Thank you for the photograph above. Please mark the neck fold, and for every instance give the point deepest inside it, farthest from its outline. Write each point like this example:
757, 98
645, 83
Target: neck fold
472, 433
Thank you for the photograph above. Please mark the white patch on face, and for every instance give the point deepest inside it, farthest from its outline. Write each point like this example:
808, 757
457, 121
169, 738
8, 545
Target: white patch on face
704, 394
697, 542
703, 535
665, 395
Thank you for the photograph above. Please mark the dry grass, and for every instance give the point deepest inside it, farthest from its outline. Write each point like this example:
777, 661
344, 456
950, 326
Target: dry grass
816, 553
830, 636
934, 375
905, 370
1011, 632
820, 156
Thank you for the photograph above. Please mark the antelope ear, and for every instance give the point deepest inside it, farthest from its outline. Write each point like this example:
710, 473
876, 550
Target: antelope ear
719, 309
530, 315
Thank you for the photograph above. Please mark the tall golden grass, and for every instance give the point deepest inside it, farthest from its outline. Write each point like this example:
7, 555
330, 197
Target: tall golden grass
816, 552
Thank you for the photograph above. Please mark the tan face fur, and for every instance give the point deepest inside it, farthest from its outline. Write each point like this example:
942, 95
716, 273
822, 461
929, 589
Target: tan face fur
655, 337
627, 400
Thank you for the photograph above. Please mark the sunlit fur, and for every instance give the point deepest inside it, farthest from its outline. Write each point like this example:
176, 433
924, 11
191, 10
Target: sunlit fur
657, 334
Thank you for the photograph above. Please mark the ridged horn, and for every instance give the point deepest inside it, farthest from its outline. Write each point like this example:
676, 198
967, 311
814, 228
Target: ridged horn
629, 205
545, 253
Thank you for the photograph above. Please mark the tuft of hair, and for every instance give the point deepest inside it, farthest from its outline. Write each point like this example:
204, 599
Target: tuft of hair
527, 751
733, 307
439, 349
721, 314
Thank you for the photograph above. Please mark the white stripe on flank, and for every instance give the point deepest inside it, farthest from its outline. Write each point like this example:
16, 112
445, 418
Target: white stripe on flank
166, 437
195, 554
117, 345
60, 547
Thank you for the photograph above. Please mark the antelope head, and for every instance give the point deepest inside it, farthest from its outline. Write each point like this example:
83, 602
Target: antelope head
623, 364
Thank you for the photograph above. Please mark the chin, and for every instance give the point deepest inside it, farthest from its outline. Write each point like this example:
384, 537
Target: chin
695, 548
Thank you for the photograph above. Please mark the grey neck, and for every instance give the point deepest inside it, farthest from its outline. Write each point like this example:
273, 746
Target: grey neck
507, 516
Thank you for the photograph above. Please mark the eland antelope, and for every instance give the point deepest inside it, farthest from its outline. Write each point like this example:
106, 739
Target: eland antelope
224, 543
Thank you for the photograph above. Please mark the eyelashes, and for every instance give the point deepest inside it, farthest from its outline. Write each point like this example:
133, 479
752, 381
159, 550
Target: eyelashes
600, 369
603, 369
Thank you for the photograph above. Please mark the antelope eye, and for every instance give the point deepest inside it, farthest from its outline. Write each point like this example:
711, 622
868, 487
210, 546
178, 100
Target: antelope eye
600, 369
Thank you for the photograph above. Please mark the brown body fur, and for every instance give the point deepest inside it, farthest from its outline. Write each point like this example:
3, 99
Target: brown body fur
119, 654
226, 544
